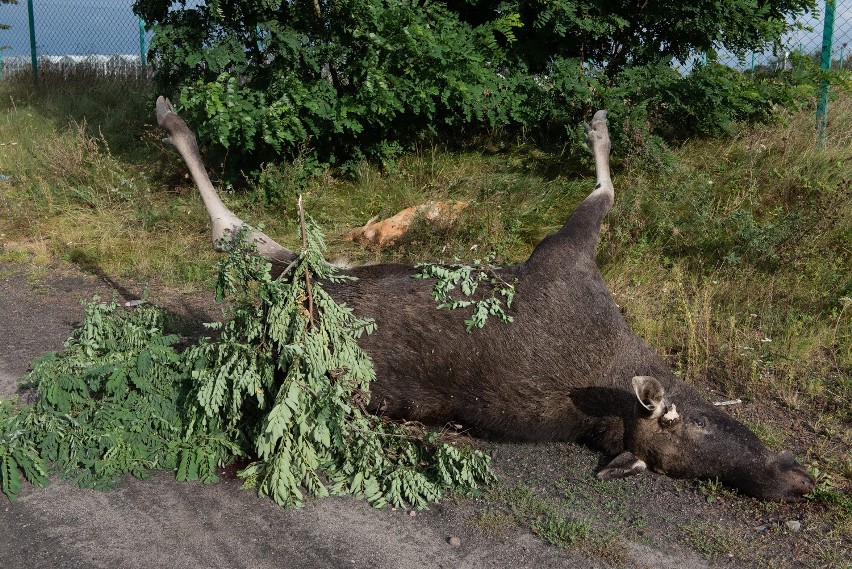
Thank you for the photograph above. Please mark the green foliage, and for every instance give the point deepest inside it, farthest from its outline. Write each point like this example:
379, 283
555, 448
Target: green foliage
283, 382
367, 79
287, 376
18, 453
272, 76
615, 35
467, 279
827, 491
111, 402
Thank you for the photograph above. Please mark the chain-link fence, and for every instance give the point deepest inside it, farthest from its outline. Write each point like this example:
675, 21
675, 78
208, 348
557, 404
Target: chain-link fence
806, 40
104, 36
107, 37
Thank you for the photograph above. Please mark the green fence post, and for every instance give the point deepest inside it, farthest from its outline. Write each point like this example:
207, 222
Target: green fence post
825, 64
142, 42
33, 43
2, 68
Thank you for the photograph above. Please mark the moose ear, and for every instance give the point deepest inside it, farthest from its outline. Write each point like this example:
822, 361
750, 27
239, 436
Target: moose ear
650, 394
624, 465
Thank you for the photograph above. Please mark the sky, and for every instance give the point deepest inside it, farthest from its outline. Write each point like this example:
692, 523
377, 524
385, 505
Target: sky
109, 27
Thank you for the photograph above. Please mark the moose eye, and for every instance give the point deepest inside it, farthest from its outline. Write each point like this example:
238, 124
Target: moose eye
698, 421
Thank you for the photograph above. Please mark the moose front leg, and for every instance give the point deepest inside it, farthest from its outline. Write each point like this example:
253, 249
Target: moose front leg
224, 223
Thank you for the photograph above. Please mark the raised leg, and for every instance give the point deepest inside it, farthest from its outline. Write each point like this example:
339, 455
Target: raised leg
580, 233
224, 223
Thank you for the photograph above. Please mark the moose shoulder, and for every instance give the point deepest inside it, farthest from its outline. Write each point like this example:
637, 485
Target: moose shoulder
568, 368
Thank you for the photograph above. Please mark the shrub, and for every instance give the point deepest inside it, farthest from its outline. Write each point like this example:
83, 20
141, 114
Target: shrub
366, 79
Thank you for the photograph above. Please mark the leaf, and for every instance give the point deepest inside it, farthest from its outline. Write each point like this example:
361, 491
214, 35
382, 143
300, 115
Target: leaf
121, 399
10, 478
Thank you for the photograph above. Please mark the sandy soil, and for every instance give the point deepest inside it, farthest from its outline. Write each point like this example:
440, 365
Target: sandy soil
647, 521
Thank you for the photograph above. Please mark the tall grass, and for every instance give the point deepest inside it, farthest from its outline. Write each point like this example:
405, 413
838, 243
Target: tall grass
736, 262
87, 181
732, 257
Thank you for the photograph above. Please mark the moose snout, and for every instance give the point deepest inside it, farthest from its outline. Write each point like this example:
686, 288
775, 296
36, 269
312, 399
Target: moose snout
800, 482
794, 479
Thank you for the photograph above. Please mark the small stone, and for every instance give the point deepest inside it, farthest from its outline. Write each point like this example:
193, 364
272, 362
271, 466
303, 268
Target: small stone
412, 514
761, 528
454, 541
793, 525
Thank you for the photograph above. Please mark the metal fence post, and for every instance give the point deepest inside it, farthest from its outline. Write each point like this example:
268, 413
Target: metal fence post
142, 42
825, 64
33, 43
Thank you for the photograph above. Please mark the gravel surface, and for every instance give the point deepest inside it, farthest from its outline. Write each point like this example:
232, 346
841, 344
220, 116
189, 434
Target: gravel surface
646, 521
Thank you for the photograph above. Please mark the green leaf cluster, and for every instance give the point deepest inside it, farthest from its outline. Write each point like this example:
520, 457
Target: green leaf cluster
286, 377
18, 452
109, 404
367, 79
282, 381
466, 279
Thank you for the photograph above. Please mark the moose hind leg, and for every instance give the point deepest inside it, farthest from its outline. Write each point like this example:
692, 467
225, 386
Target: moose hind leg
583, 227
597, 137
579, 235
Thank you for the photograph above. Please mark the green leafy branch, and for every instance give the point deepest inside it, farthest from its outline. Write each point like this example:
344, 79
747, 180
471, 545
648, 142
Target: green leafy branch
467, 279
300, 397
282, 381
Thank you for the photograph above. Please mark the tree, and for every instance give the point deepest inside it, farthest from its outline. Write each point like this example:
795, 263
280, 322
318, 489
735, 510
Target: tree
614, 34
2, 25
355, 79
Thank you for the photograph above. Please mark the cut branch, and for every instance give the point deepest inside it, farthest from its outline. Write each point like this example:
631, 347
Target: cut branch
307, 269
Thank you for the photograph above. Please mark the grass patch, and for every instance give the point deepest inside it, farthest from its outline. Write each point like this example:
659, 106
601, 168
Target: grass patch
713, 540
713, 490
494, 523
559, 530
85, 183
544, 516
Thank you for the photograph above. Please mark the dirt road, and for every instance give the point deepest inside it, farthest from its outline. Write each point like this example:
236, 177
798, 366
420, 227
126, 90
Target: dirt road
159, 522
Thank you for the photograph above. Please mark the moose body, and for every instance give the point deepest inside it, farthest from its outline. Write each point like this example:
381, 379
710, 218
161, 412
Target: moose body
568, 368
508, 381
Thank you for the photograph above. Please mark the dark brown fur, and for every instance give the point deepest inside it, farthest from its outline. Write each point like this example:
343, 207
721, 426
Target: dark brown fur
567, 369
561, 371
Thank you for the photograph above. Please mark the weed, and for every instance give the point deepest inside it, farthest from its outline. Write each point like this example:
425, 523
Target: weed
828, 492
712, 539
543, 515
559, 530
710, 488
494, 522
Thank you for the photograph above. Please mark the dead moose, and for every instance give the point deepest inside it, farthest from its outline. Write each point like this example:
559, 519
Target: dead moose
567, 369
